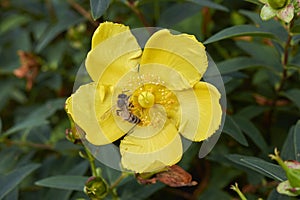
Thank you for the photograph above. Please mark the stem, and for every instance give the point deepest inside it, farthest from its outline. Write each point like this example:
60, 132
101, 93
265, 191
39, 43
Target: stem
284, 74
123, 175
83, 12
91, 161
139, 14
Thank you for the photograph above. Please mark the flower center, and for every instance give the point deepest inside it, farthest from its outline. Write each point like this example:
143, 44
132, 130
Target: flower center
146, 99
153, 104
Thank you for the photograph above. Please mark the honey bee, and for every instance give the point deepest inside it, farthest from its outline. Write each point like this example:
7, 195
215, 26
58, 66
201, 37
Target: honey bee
124, 109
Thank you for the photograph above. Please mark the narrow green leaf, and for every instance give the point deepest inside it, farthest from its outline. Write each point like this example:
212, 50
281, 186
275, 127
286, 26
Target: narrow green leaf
98, 7
263, 167
232, 129
251, 111
239, 30
291, 147
209, 4
257, 2
294, 96
297, 140
252, 132
0, 125
176, 13
64, 182
274, 195
132, 190
38, 117
235, 64
265, 51
10, 181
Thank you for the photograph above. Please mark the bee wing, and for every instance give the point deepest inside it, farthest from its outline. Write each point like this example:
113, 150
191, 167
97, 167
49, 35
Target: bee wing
107, 113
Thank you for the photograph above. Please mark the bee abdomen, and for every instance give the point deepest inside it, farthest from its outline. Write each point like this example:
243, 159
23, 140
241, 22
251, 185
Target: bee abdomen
133, 119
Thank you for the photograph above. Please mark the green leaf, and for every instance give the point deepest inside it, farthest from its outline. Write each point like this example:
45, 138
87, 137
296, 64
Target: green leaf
257, 2
176, 13
64, 182
235, 64
98, 7
130, 189
291, 147
264, 52
294, 96
210, 4
274, 195
11, 180
239, 30
38, 117
252, 132
232, 129
263, 167
251, 111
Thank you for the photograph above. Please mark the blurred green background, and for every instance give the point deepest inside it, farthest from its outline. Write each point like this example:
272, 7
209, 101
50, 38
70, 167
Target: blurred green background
43, 44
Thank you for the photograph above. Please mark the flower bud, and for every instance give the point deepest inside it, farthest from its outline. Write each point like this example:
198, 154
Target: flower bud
292, 170
96, 188
278, 4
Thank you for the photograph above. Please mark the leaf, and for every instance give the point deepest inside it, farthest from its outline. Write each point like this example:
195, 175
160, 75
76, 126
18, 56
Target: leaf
210, 4
37, 117
291, 147
232, 129
235, 64
252, 132
251, 111
264, 52
294, 96
274, 195
177, 13
133, 190
98, 7
239, 30
263, 167
10, 181
64, 182
66, 17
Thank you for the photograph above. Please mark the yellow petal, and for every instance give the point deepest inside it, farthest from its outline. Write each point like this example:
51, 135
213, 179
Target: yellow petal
91, 112
182, 53
201, 111
115, 51
141, 154
106, 30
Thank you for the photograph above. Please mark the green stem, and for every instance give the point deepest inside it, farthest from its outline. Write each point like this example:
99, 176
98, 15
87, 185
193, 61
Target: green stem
238, 191
139, 14
123, 175
91, 159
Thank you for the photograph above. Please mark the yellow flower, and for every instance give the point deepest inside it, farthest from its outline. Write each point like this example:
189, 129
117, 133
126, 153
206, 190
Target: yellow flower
150, 96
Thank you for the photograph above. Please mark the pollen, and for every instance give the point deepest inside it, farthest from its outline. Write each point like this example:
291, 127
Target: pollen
154, 103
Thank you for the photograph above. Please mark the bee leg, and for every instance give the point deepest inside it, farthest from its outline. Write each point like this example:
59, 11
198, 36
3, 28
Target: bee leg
131, 129
118, 112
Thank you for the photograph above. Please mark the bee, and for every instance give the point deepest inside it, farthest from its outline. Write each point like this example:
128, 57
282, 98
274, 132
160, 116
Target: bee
124, 109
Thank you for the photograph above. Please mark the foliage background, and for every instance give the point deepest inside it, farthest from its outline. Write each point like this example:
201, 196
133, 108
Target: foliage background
259, 62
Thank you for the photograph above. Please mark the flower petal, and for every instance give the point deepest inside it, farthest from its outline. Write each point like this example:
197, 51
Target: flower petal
286, 14
182, 53
267, 12
141, 154
115, 51
87, 107
202, 120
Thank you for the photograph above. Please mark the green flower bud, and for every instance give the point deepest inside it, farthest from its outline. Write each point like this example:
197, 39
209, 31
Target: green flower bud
278, 4
292, 173
96, 188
